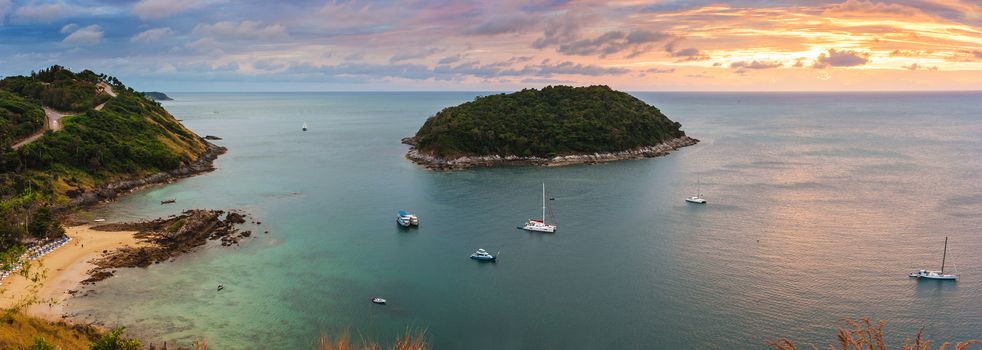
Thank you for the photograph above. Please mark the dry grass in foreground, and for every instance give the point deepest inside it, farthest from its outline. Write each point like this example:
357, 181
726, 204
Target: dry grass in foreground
18, 331
864, 335
410, 340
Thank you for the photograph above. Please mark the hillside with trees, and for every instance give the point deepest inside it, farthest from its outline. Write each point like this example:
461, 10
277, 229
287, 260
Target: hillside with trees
554, 121
130, 137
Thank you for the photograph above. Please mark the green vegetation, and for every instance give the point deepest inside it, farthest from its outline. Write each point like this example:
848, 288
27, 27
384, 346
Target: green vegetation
129, 137
115, 341
557, 120
156, 96
19, 118
59, 88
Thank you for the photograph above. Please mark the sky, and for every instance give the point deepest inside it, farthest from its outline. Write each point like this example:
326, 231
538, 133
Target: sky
635, 45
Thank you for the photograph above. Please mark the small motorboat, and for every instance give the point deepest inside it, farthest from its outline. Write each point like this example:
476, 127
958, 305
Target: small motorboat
696, 200
220, 287
377, 300
406, 219
168, 201
99, 220
483, 255
304, 126
403, 221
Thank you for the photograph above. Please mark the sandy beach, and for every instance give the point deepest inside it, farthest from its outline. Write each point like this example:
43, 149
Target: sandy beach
66, 267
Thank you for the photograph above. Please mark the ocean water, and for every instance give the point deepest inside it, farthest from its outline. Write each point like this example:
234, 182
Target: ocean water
819, 206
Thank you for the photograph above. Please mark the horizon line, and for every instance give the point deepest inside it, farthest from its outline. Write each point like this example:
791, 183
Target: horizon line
641, 91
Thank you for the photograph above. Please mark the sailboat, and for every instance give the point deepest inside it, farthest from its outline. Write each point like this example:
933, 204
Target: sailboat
304, 126
697, 199
936, 275
540, 225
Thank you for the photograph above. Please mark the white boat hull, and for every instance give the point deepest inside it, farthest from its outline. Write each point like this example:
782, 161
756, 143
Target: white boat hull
540, 228
933, 275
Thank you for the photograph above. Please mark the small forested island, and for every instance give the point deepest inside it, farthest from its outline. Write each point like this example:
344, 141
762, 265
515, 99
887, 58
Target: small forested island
558, 125
157, 96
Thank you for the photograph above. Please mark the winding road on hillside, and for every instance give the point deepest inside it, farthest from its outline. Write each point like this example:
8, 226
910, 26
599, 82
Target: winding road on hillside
52, 120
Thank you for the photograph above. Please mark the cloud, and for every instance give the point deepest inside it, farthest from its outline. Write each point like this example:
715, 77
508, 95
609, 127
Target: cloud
741, 65
153, 9
68, 28
90, 35
865, 7
544, 69
915, 66
842, 58
151, 35
5, 6
414, 54
241, 31
547, 69
614, 42
269, 65
451, 59
660, 70
502, 25
561, 30
690, 54
565, 34
546, 81
356, 56
909, 53
48, 12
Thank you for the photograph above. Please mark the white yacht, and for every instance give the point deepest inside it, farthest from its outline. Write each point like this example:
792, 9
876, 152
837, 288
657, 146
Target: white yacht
540, 225
936, 275
483, 255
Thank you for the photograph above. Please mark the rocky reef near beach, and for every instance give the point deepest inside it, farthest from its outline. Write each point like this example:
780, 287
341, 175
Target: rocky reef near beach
170, 237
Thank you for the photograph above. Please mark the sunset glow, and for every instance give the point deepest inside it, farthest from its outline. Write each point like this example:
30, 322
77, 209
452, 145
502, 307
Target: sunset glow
460, 45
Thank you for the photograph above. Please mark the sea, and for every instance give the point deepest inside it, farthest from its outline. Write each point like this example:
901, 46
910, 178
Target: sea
819, 205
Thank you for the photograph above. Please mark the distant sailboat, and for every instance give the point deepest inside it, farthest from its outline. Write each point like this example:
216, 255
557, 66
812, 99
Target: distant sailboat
936, 275
540, 225
697, 199
304, 126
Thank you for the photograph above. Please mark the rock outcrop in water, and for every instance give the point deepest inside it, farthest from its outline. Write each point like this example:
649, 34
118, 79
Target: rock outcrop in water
168, 238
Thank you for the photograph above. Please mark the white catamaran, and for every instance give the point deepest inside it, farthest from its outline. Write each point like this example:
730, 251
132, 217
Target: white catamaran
540, 225
936, 275
697, 199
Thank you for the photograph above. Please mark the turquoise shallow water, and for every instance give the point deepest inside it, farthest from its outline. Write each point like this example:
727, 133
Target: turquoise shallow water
820, 204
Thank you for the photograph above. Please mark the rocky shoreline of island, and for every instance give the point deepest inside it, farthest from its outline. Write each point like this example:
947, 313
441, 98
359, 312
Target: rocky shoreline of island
436, 163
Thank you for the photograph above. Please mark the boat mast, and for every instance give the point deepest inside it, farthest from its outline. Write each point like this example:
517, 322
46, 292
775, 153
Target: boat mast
544, 203
945, 255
